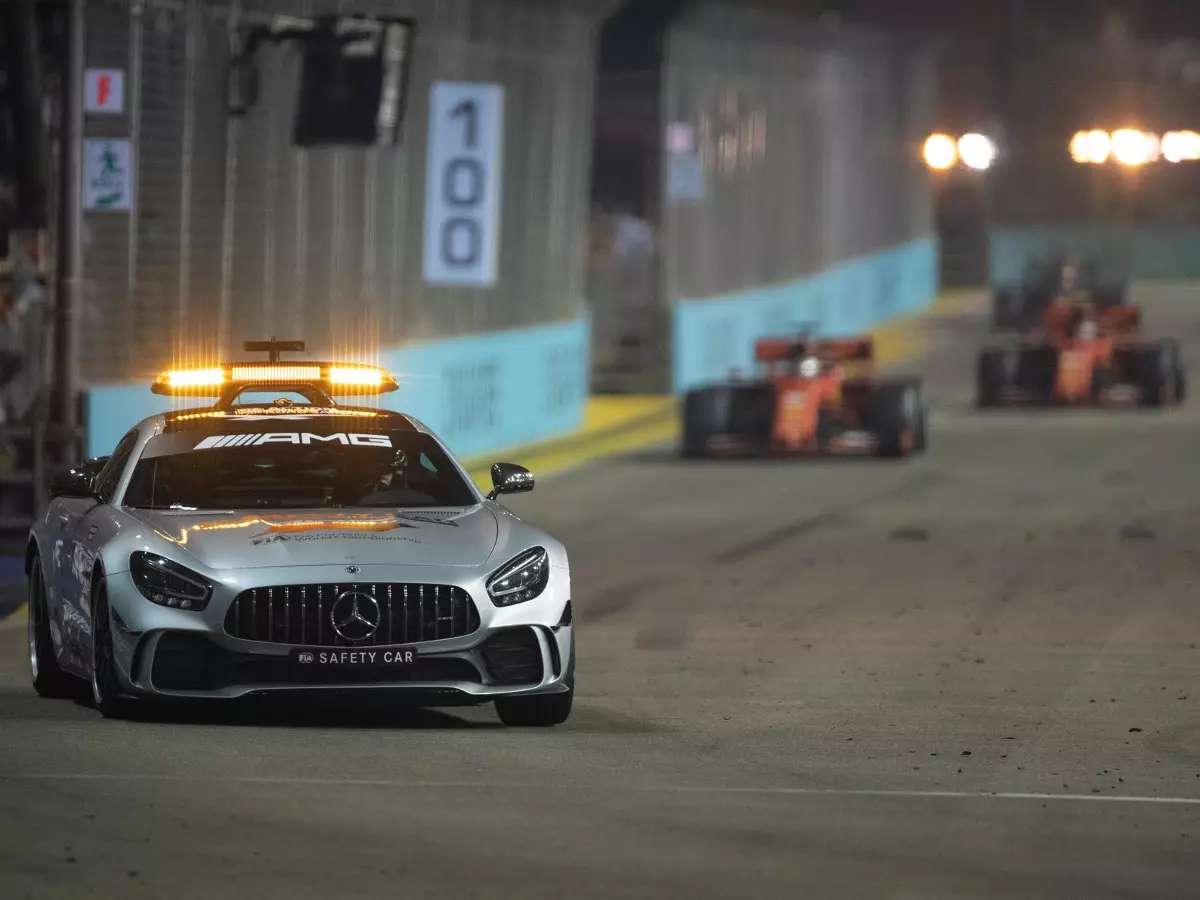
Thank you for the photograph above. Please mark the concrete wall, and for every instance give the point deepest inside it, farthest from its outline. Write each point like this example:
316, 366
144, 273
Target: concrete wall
1142, 253
713, 336
481, 392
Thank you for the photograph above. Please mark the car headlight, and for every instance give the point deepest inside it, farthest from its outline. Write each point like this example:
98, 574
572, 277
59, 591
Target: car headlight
520, 579
168, 584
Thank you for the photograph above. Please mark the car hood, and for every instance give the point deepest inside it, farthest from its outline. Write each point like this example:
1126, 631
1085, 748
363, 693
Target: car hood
237, 540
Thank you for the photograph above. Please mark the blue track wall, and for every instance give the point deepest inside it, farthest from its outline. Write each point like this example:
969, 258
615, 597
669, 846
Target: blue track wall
713, 336
1142, 253
480, 392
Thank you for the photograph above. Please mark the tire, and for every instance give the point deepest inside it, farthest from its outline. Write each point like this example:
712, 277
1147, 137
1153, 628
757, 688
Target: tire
922, 442
740, 410
991, 377
540, 710
1179, 374
896, 416
106, 687
1036, 371
1157, 371
49, 680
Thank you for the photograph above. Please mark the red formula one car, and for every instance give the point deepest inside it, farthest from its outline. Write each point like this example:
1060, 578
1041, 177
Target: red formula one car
811, 398
1083, 355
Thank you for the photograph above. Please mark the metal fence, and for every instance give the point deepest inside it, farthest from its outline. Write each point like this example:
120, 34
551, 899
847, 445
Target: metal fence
235, 234
808, 143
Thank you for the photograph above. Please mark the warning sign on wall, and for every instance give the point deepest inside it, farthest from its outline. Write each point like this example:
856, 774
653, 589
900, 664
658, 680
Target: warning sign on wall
104, 91
107, 174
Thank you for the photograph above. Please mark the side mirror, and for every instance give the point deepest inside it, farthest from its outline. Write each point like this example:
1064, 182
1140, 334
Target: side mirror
509, 478
95, 465
242, 88
76, 483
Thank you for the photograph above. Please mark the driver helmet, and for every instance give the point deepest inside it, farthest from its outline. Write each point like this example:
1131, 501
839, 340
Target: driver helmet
810, 366
397, 467
1069, 274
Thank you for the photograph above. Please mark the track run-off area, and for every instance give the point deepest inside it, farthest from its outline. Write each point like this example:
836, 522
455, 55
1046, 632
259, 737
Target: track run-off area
974, 674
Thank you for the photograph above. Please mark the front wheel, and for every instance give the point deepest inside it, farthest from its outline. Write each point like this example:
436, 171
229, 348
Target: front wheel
897, 418
539, 711
106, 687
49, 680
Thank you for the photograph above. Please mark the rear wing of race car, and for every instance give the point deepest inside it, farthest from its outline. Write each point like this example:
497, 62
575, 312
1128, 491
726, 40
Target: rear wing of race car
859, 349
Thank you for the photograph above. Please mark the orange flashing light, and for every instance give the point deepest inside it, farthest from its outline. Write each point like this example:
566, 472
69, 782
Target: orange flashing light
352, 378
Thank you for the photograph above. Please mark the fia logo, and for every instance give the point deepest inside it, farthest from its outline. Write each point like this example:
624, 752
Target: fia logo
305, 658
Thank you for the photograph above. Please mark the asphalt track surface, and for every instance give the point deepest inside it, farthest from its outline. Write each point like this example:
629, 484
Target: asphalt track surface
974, 675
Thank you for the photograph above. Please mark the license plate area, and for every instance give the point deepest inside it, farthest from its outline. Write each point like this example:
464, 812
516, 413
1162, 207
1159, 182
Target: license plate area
355, 659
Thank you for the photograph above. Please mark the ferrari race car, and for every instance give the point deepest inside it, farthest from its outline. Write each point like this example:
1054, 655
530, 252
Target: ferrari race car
1020, 306
1083, 356
244, 549
811, 398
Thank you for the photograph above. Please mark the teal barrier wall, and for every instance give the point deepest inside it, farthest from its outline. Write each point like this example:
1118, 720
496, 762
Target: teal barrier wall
1142, 253
480, 393
713, 336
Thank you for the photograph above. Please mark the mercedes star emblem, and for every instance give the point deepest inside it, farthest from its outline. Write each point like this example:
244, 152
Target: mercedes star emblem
353, 570
355, 616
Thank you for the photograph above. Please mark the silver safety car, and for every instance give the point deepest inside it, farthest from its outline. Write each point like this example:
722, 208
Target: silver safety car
288, 543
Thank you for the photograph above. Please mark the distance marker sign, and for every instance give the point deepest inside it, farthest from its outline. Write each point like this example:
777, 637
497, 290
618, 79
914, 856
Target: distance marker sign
463, 178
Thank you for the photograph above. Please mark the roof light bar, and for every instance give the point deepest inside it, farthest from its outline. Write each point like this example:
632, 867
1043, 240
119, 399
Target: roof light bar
338, 378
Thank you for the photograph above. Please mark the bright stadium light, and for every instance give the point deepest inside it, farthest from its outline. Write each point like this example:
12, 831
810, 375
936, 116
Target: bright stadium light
1181, 146
1133, 148
941, 153
977, 151
1091, 147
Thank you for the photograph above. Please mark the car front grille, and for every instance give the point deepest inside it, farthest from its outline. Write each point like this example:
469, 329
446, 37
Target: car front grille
305, 614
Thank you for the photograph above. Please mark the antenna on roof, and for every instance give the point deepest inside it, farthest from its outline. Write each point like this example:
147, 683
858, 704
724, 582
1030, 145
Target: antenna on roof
273, 347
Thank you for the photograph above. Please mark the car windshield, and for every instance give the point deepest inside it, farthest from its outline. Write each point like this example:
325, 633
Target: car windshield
295, 470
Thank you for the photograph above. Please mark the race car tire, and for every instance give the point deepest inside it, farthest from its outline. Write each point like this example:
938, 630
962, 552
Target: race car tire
1178, 371
49, 680
921, 443
106, 687
897, 414
742, 410
1036, 371
540, 710
1157, 370
992, 376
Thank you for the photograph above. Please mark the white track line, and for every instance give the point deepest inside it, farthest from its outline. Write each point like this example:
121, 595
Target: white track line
633, 789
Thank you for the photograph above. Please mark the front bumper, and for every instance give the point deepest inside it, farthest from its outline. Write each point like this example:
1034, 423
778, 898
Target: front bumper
852, 442
171, 653
1117, 396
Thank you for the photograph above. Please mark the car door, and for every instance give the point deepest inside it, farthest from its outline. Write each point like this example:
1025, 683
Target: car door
77, 547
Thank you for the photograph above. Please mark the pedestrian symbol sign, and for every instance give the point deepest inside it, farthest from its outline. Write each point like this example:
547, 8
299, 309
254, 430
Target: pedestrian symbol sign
107, 174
